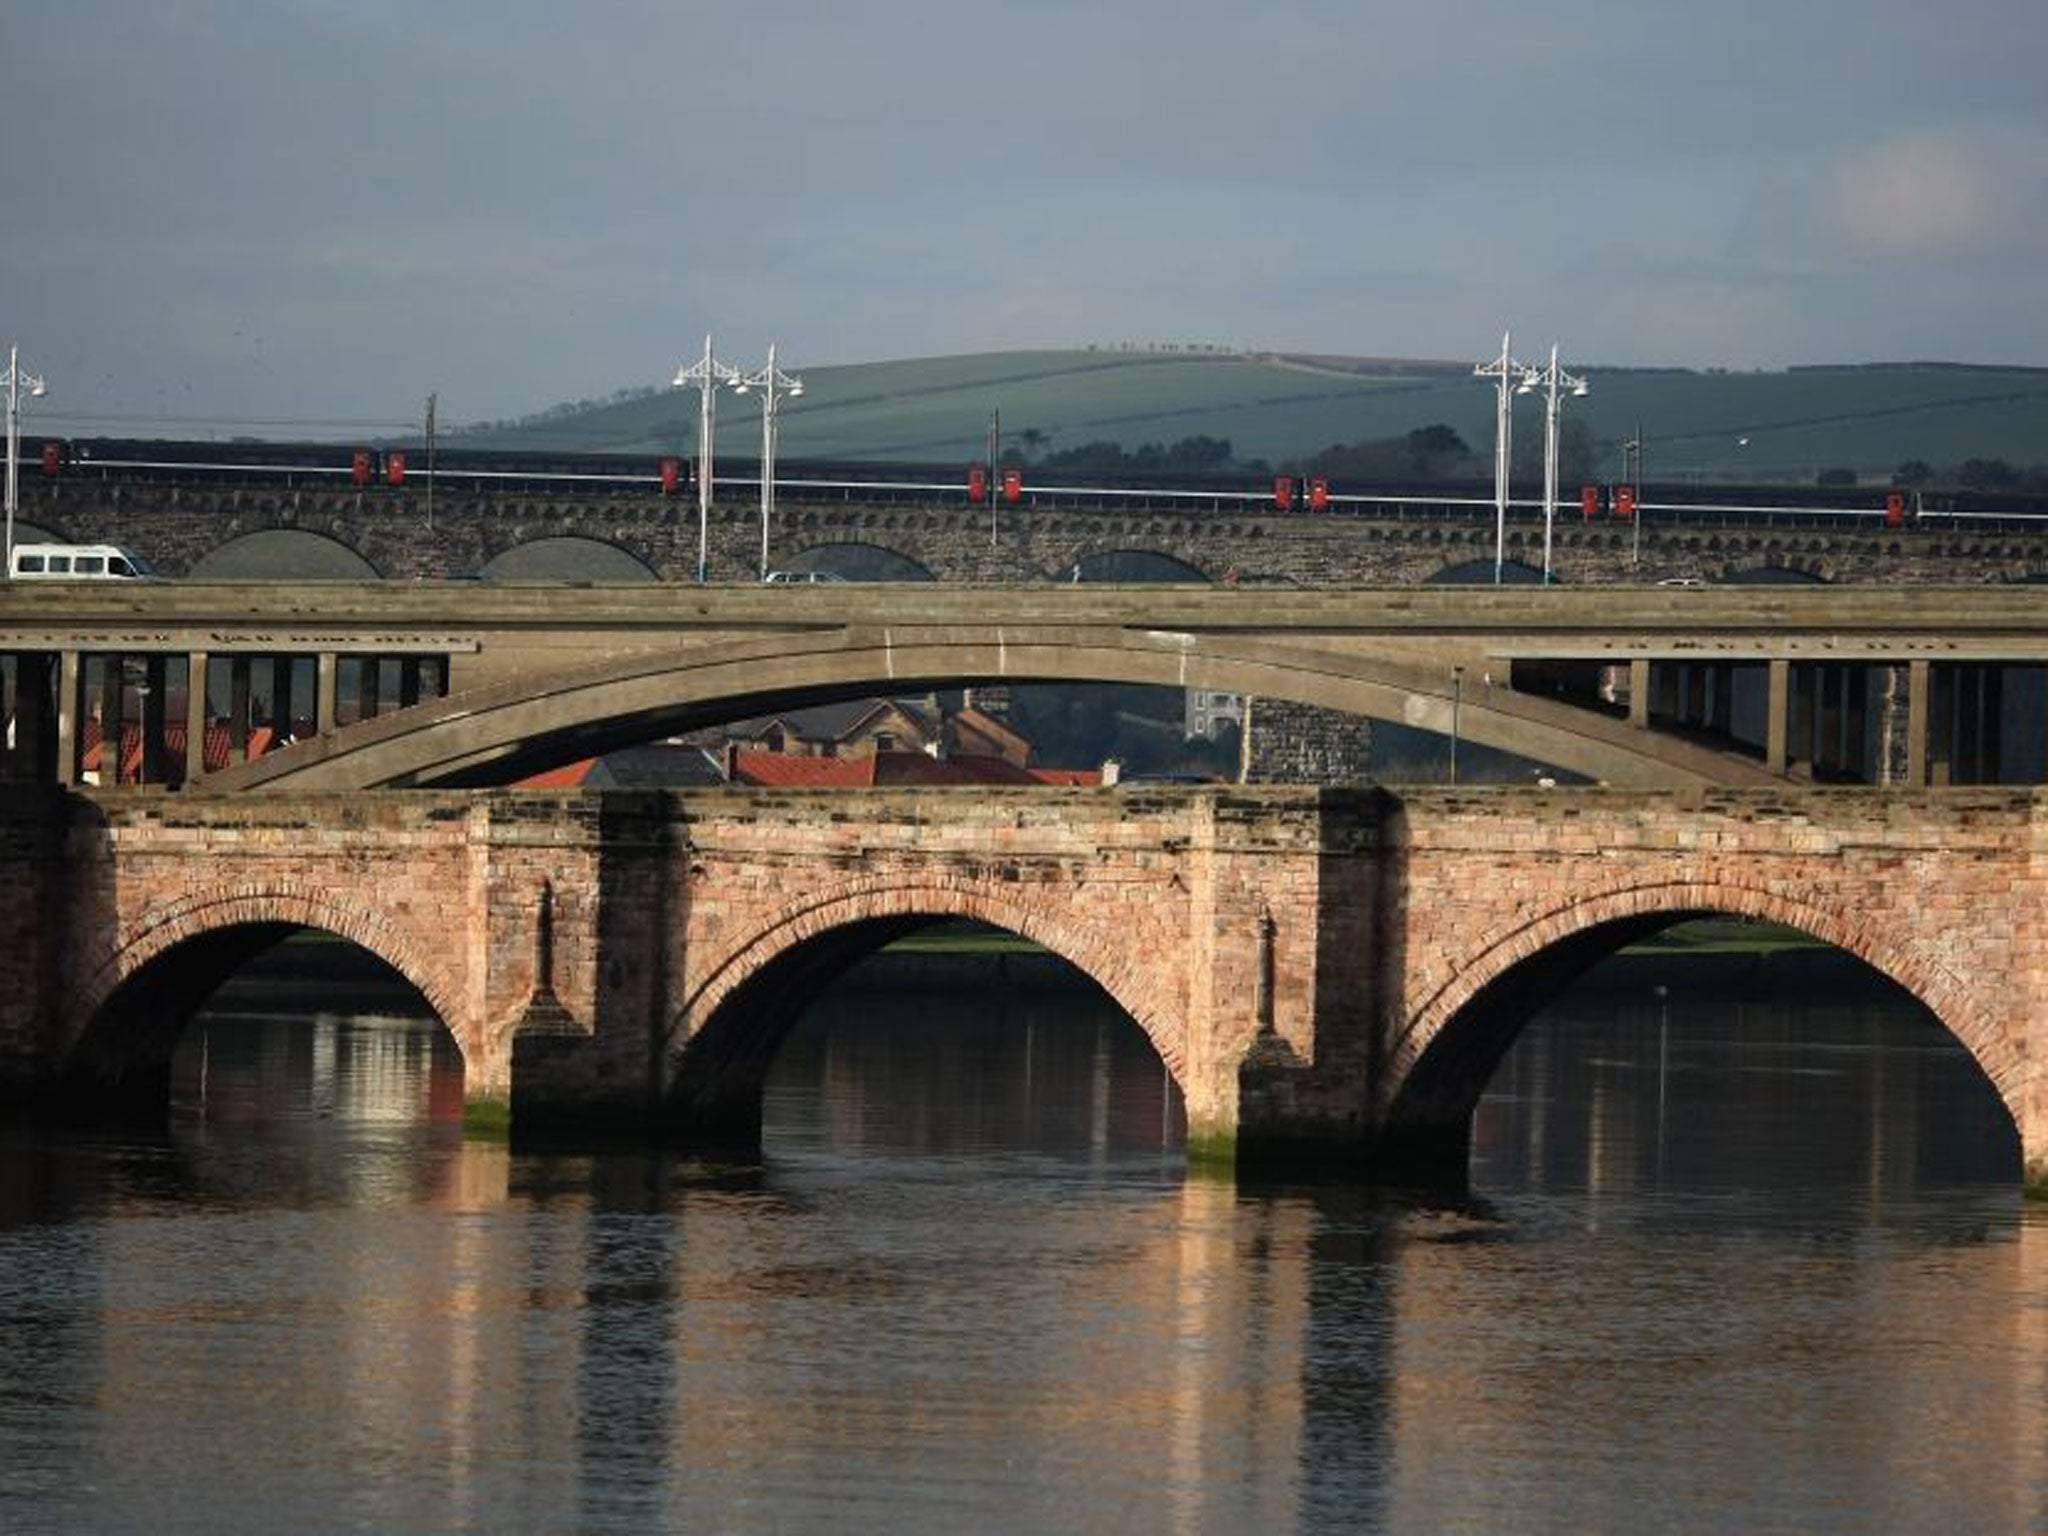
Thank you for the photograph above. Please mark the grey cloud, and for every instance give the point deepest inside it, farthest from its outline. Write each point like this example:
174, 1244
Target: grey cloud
324, 209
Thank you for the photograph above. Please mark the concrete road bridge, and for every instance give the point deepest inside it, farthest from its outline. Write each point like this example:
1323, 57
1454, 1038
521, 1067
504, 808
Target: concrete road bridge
462, 684
1330, 974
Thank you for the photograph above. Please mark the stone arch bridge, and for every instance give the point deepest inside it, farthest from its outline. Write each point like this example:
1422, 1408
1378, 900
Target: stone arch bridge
1330, 974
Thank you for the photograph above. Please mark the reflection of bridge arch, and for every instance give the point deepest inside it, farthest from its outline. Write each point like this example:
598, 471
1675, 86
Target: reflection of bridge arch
504, 731
748, 997
165, 962
1450, 1045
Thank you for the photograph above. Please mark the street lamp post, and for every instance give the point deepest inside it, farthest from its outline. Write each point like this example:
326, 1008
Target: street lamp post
1553, 379
1505, 372
995, 450
1457, 699
1632, 476
707, 373
16, 381
774, 385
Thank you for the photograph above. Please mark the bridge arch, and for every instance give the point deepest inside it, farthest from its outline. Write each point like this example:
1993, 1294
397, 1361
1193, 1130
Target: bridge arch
501, 732
1121, 564
271, 554
748, 997
1447, 1049
1773, 573
164, 963
571, 558
1480, 573
856, 560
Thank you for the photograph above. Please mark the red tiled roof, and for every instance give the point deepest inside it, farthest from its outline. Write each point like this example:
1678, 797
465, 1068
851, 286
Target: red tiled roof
568, 776
785, 770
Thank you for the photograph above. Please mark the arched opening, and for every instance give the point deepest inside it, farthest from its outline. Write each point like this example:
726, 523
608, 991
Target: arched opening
854, 562
1480, 573
566, 559
273, 1030
924, 1035
1704, 1051
1773, 576
1131, 566
275, 554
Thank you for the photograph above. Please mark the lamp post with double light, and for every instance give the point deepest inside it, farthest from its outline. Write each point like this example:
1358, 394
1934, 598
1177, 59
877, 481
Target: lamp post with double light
1632, 477
1506, 374
775, 386
707, 373
1556, 383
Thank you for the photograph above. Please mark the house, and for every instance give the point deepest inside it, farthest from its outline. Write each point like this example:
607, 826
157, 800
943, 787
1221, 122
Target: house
843, 730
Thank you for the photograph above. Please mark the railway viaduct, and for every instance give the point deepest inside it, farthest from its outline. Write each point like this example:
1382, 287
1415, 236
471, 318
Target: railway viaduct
225, 531
1327, 973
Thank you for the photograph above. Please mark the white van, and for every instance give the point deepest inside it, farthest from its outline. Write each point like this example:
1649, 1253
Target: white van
78, 562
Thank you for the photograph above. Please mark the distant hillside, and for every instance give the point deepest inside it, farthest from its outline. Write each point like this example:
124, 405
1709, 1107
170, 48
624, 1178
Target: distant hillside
1783, 425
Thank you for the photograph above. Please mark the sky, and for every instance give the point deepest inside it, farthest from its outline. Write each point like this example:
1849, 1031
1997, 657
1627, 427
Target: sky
305, 214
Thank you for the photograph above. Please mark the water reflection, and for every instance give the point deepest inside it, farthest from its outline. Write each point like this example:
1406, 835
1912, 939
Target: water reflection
970, 1286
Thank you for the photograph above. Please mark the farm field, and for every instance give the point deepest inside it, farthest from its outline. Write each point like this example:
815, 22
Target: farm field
1752, 426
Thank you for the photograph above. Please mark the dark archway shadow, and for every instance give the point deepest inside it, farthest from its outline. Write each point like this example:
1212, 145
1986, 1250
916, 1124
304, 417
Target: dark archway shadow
1771, 998
154, 1047
961, 1038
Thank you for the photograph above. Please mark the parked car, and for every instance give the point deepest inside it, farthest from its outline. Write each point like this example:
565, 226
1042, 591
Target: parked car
796, 578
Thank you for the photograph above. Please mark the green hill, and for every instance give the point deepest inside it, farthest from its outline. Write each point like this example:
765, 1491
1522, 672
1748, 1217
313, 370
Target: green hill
1278, 407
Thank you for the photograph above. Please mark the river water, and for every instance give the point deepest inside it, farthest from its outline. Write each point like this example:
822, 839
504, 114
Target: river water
1727, 1264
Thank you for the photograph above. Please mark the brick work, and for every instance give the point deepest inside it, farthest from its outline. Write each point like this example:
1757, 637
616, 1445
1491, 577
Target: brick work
1329, 970
176, 526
